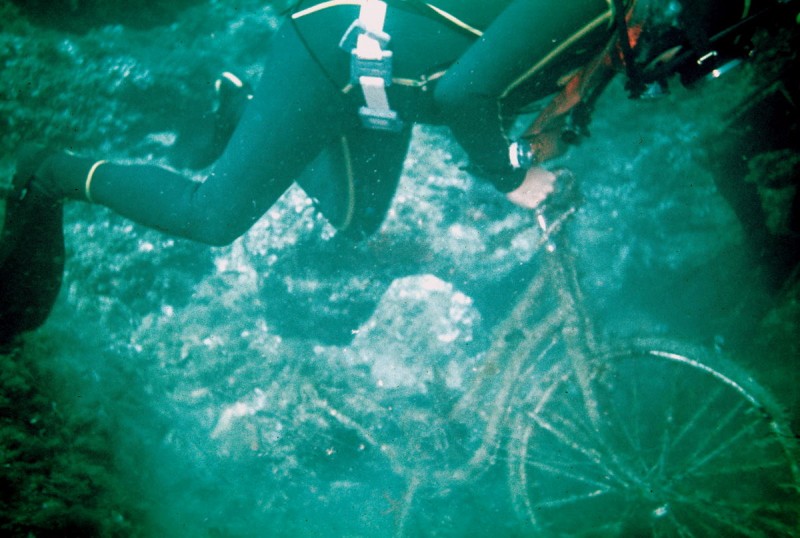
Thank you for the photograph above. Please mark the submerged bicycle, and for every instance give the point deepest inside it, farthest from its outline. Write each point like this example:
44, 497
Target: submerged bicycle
591, 436
630, 438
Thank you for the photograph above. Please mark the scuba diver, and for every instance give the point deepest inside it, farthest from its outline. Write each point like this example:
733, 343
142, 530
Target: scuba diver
343, 83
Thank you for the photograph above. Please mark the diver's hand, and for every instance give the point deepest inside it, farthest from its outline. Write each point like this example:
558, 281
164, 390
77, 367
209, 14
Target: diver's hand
536, 186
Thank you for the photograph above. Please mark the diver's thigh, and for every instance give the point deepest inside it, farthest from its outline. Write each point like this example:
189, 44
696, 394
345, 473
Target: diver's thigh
294, 113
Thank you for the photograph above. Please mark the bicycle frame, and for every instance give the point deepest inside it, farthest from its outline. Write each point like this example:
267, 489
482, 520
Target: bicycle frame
546, 358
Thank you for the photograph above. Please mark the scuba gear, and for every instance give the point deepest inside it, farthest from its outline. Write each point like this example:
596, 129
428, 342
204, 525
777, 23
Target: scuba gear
521, 155
566, 117
647, 58
704, 42
471, 85
371, 65
31, 250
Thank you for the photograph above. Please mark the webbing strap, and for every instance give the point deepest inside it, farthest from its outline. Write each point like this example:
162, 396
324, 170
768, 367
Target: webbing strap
371, 65
372, 17
374, 91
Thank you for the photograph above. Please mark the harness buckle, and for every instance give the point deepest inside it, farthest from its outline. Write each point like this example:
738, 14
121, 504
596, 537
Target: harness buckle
358, 28
361, 66
371, 65
381, 120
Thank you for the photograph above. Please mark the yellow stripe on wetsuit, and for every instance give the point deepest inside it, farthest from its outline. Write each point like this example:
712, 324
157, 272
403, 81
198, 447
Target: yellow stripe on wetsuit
449, 17
452, 19
604, 18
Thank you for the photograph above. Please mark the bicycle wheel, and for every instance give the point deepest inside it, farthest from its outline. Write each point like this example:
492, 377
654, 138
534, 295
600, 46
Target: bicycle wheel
654, 443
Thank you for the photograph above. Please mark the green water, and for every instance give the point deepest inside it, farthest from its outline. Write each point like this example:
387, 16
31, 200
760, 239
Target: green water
296, 384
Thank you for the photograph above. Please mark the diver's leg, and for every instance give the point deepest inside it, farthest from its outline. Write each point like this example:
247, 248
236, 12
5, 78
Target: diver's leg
377, 159
202, 139
294, 113
353, 181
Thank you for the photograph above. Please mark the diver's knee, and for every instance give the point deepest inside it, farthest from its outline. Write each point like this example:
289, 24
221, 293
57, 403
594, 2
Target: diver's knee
211, 230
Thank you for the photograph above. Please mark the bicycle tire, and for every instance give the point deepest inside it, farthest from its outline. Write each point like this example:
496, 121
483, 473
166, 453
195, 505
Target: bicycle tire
654, 443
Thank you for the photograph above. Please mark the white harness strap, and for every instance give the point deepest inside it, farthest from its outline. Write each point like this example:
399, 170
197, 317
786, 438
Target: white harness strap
372, 17
371, 65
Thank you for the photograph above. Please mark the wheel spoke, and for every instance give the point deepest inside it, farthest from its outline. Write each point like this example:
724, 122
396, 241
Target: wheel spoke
714, 466
571, 499
696, 419
560, 470
591, 454
731, 519
721, 449
633, 440
684, 528
759, 467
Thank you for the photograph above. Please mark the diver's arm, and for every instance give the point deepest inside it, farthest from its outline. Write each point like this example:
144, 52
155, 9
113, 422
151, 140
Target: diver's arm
469, 94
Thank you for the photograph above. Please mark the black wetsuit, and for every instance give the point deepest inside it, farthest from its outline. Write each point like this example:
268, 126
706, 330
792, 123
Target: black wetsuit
467, 64
302, 119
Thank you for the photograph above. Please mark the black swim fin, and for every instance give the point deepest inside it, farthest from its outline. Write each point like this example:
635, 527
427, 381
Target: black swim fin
31, 258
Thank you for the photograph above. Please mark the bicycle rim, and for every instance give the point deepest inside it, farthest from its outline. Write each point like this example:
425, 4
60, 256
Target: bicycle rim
680, 445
